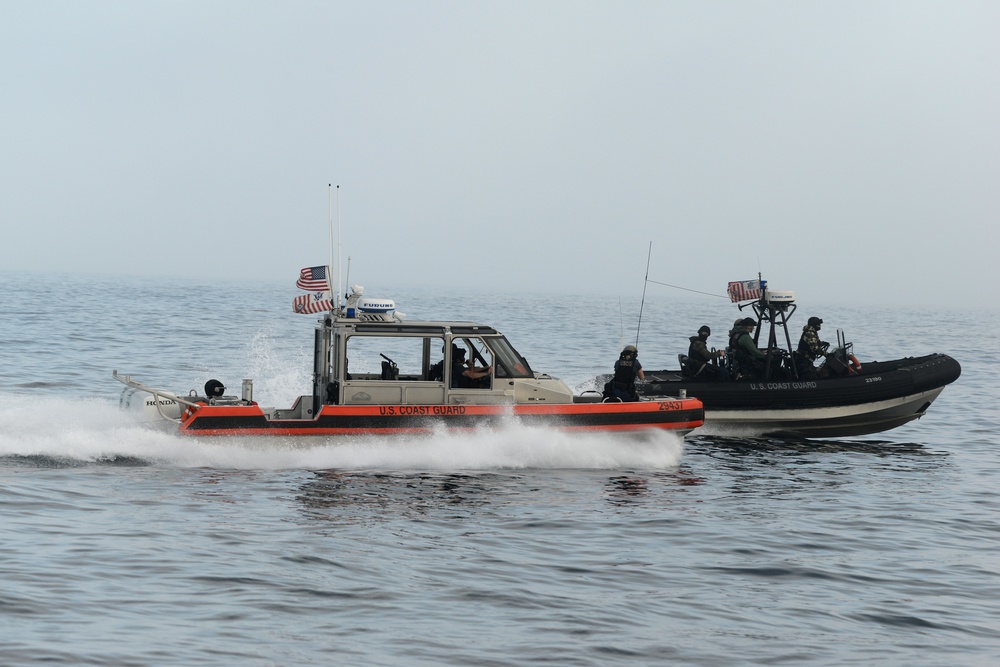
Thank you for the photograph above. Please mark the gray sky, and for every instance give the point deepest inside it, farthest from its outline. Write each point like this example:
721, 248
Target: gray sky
844, 149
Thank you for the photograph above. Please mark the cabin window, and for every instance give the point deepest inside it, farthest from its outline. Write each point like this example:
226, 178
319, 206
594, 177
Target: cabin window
405, 358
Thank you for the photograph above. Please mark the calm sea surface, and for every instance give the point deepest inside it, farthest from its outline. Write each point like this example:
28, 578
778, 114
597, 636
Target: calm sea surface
123, 545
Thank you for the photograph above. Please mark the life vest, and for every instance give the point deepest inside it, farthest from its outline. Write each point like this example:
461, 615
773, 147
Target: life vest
747, 365
622, 384
804, 348
625, 372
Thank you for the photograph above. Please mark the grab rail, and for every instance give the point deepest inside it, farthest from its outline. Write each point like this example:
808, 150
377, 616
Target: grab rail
157, 393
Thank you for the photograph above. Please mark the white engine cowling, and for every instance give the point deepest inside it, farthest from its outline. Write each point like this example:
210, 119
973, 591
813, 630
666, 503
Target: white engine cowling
148, 406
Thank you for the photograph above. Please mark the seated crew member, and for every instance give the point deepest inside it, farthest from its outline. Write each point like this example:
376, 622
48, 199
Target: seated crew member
810, 348
750, 359
627, 369
464, 374
436, 370
701, 361
734, 333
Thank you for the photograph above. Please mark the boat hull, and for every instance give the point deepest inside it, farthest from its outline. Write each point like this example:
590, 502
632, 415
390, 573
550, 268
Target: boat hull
832, 422
883, 396
679, 415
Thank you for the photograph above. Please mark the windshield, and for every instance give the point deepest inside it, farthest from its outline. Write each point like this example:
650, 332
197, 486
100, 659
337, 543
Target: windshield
509, 363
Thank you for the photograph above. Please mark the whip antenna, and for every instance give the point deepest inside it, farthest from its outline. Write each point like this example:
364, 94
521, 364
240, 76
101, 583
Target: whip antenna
621, 323
338, 247
348, 283
329, 267
643, 302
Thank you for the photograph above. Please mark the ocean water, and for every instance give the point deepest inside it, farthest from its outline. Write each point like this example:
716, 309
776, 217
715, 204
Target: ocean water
125, 545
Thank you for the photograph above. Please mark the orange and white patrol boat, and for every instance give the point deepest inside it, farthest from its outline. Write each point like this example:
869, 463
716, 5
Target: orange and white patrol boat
376, 373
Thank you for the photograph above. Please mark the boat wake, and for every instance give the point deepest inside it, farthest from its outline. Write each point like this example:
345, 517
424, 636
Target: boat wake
61, 432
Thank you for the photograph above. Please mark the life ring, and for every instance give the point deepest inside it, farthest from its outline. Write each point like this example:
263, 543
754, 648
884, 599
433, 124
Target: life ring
190, 410
853, 364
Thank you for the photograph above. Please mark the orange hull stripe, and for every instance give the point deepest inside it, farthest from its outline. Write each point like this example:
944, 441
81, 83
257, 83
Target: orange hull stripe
673, 426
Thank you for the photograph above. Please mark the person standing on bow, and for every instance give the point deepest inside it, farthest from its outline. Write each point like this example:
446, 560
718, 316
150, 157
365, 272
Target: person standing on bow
810, 348
627, 369
701, 361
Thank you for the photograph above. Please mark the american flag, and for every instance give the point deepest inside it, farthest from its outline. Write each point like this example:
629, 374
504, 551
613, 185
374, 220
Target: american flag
744, 290
317, 302
313, 278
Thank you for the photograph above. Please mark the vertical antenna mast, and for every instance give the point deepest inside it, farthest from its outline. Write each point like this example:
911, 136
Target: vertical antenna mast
338, 248
329, 219
621, 323
643, 302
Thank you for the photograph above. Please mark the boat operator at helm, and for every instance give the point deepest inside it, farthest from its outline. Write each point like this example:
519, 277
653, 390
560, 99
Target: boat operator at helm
701, 361
627, 369
750, 359
810, 348
466, 375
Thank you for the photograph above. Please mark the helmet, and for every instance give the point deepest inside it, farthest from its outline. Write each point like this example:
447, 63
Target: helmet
815, 321
630, 349
705, 330
749, 322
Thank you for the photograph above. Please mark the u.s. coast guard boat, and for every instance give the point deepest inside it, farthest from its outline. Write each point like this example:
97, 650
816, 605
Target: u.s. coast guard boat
374, 372
844, 397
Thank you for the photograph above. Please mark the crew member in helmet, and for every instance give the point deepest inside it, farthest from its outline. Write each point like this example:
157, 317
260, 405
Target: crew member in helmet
627, 369
735, 332
810, 348
701, 362
749, 358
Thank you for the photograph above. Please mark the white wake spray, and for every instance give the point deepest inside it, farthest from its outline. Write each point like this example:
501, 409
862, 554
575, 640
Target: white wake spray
91, 430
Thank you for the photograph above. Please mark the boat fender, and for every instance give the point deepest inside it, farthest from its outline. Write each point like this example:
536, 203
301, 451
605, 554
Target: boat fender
853, 364
214, 389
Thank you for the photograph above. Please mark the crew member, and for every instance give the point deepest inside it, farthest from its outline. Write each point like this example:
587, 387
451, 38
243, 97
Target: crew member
701, 361
749, 357
810, 348
464, 374
627, 369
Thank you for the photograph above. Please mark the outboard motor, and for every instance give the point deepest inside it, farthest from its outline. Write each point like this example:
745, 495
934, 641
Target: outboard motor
149, 408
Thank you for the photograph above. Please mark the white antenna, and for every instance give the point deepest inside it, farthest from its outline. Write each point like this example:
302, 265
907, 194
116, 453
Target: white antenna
348, 274
621, 317
329, 216
338, 248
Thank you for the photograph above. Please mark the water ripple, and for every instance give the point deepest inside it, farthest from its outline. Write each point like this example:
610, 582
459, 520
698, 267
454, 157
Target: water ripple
123, 545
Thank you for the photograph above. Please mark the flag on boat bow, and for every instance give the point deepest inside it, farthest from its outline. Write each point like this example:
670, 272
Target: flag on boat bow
317, 302
744, 290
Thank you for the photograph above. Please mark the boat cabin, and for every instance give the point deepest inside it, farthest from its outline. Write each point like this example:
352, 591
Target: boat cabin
374, 358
